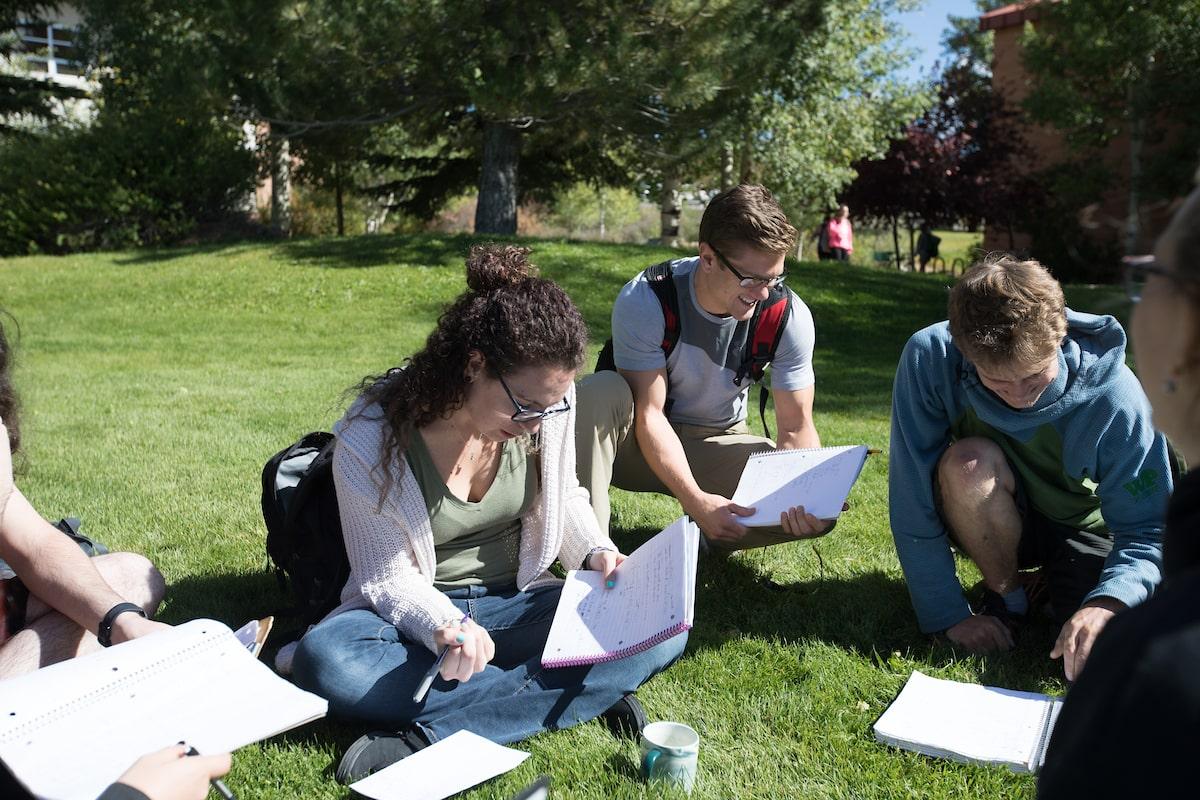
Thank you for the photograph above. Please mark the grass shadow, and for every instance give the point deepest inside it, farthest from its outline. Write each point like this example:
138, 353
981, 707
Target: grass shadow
866, 613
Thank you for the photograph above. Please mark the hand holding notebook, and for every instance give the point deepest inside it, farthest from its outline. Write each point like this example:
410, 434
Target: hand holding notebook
651, 600
819, 479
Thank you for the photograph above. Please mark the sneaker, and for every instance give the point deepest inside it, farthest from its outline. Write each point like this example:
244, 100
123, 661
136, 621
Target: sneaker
373, 751
625, 718
992, 604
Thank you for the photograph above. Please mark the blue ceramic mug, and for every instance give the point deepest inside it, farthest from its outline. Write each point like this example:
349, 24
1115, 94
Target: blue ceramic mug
669, 753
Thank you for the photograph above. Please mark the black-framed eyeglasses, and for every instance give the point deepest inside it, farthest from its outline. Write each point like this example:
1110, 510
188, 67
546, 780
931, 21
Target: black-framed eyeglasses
526, 414
1139, 268
749, 281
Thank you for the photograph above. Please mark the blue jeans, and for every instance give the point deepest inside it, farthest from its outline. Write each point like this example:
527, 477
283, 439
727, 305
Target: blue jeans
367, 670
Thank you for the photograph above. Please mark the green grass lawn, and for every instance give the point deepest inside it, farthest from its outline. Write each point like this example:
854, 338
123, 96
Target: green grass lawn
155, 385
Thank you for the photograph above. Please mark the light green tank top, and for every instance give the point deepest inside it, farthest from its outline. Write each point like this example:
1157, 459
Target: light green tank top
476, 544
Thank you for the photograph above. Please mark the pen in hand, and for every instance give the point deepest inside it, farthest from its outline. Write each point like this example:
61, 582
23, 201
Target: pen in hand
217, 783
427, 681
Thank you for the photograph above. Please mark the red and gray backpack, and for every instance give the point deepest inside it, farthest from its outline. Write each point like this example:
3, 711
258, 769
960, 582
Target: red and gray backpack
760, 334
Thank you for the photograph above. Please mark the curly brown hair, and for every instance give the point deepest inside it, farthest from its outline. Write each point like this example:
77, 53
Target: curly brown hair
513, 318
1005, 311
8, 395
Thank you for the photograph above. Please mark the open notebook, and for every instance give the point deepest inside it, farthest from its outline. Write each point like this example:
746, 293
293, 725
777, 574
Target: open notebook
97, 714
970, 723
817, 478
652, 601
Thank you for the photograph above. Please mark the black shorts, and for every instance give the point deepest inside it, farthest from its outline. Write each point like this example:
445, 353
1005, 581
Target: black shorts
1070, 559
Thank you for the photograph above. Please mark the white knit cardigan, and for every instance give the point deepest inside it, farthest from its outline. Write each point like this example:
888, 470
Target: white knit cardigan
392, 561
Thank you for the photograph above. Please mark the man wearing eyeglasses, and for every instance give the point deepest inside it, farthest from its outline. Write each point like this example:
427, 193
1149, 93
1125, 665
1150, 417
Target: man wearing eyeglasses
1021, 438
676, 423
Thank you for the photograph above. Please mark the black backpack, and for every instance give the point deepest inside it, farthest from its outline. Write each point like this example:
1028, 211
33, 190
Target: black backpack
760, 334
304, 531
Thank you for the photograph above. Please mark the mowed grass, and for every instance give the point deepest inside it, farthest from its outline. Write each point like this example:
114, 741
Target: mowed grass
155, 385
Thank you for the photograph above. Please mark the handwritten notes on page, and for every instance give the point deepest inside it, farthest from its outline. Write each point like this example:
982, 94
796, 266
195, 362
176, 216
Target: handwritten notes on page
652, 599
818, 479
447, 767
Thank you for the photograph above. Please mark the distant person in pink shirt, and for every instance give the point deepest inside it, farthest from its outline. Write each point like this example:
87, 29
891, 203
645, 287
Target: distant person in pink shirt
841, 235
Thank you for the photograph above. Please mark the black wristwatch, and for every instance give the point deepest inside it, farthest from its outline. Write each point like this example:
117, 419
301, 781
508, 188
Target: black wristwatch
104, 635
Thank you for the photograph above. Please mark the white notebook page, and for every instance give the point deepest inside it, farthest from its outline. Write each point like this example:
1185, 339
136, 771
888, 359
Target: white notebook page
818, 479
447, 767
194, 682
968, 722
654, 591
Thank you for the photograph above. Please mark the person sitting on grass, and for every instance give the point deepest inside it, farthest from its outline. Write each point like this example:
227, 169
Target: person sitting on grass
57, 602
455, 478
1020, 437
1128, 726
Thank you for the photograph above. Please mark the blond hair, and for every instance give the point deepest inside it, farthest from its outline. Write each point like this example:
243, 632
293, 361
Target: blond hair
1004, 311
748, 215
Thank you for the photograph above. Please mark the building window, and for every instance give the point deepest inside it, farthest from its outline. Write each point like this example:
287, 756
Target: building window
50, 48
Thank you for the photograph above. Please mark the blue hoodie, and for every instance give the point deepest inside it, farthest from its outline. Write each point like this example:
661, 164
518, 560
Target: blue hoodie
1085, 453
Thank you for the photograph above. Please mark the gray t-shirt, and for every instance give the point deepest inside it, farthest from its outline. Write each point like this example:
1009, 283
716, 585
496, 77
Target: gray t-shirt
702, 366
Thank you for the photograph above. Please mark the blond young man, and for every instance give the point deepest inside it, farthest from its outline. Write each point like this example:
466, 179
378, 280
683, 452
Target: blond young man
677, 424
1020, 437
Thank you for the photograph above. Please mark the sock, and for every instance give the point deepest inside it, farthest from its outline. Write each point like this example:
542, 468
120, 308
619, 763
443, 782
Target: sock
1016, 601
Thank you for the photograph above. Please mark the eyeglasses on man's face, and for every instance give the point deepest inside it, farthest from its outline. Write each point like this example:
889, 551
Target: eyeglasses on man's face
526, 414
1138, 270
749, 281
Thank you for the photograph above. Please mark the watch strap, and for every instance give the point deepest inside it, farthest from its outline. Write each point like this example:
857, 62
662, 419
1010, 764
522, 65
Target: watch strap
104, 634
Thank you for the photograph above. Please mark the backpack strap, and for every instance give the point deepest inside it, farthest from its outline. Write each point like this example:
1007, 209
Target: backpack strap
766, 329
661, 279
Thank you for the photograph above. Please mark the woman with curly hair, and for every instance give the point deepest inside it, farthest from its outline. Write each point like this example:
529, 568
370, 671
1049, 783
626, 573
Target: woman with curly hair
456, 485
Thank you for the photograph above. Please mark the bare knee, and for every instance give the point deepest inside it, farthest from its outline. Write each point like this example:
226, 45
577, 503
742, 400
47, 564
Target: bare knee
133, 577
974, 468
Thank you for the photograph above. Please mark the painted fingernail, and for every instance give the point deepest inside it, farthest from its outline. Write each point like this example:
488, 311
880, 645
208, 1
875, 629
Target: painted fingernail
610, 583
460, 638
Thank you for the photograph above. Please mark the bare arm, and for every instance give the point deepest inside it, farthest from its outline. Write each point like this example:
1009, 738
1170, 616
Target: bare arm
793, 415
663, 451
58, 572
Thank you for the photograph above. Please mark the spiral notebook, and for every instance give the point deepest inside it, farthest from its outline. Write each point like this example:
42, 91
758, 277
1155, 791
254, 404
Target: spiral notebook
99, 713
970, 723
652, 599
817, 478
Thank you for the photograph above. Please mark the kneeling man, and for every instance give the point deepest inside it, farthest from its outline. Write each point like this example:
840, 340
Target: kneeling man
1020, 437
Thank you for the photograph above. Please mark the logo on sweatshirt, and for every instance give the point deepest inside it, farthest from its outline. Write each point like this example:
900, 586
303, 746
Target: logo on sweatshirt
1143, 485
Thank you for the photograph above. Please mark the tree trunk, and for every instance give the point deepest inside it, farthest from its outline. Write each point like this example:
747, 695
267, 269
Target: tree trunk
669, 213
337, 194
496, 211
746, 169
912, 249
376, 220
600, 201
896, 241
1133, 222
281, 187
727, 166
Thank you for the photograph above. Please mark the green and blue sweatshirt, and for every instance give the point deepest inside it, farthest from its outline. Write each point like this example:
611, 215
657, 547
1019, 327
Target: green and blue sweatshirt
1085, 453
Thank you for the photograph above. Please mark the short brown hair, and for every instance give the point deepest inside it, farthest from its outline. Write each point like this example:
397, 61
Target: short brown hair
1005, 311
747, 214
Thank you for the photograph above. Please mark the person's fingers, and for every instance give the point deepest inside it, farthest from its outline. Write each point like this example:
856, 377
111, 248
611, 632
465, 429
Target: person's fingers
785, 522
1060, 643
813, 524
1086, 640
741, 511
489, 647
212, 766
